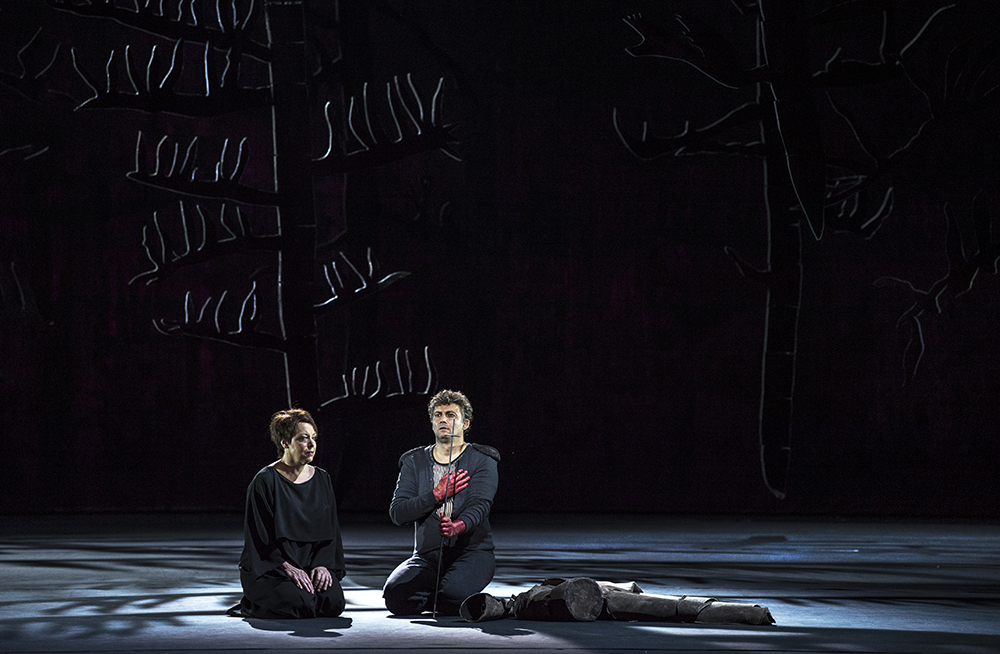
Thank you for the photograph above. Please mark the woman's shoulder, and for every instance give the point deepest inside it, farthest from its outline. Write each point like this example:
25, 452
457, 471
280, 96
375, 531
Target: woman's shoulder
270, 474
265, 473
263, 479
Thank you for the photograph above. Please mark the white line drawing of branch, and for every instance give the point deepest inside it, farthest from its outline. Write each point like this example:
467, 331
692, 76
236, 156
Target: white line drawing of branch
412, 130
179, 173
358, 385
204, 239
16, 296
347, 283
209, 322
226, 25
964, 265
31, 85
152, 94
31, 149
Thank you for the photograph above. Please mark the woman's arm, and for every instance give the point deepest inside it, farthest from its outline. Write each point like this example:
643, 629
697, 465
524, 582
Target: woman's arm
330, 554
259, 524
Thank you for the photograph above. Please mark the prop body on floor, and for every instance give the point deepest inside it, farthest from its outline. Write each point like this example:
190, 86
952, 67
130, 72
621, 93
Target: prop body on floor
582, 599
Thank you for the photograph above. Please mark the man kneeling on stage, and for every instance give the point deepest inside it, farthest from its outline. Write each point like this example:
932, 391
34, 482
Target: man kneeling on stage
446, 490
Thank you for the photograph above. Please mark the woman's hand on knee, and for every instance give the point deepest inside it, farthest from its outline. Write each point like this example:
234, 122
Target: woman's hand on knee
321, 578
298, 576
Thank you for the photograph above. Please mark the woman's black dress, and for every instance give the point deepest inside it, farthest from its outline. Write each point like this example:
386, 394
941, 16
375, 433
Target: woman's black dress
296, 523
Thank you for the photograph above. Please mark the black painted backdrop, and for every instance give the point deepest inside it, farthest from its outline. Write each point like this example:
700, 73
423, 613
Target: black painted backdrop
582, 297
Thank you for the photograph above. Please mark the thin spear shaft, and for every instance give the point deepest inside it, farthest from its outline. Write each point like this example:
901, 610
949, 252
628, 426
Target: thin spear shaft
444, 506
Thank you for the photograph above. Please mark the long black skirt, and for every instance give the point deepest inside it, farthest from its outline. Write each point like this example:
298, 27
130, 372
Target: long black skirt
274, 595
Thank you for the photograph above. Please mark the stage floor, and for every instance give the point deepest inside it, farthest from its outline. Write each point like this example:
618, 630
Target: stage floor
162, 583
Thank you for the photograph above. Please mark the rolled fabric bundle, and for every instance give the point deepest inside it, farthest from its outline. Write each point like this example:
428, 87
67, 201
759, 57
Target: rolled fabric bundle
581, 599
618, 586
688, 608
668, 608
483, 606
561, 600
642, 607
735, 613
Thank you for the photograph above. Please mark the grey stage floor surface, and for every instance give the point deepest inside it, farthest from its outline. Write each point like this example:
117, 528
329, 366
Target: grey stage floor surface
162, 583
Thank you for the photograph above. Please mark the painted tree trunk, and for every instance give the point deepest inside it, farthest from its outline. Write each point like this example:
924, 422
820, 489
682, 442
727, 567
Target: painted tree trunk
781, 317
293, 181
794, 189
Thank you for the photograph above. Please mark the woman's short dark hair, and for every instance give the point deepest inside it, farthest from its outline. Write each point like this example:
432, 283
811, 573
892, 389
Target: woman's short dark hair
451, 397
283, 424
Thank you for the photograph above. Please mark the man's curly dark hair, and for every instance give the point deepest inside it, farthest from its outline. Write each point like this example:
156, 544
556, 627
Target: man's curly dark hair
451, 397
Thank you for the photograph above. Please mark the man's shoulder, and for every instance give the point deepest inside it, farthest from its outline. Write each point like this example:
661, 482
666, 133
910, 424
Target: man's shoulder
410, 453
487, 450
476, 447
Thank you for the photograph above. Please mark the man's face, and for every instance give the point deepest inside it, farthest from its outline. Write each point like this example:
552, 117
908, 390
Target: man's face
447, 419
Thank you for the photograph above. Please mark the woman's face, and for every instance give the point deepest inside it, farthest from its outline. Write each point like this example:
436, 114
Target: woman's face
302, 449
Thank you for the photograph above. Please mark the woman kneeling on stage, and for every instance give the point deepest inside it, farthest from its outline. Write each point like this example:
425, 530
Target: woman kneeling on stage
293, 557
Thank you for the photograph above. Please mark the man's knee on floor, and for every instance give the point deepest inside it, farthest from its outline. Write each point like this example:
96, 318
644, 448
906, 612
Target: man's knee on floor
455, 596
456, 590
402, 603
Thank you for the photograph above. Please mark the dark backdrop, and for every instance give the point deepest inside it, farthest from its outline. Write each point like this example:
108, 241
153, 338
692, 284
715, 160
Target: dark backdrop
581, 296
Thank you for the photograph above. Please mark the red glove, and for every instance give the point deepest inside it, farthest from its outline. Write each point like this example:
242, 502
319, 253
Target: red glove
449, 528
451, 484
